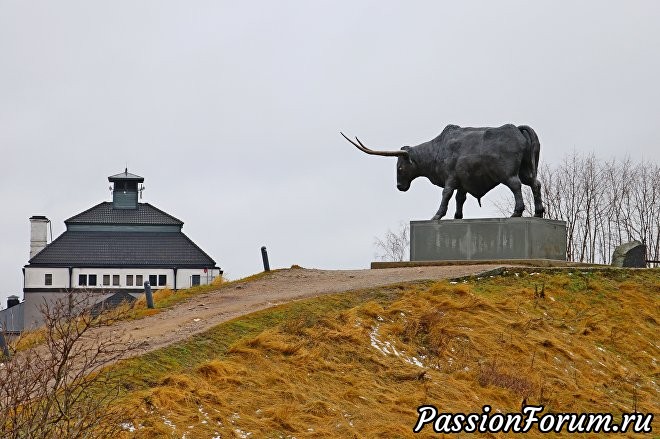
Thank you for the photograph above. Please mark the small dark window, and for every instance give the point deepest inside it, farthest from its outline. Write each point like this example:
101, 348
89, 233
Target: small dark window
162, 280
138, 280
48, 279
195, 280
129, 280
82, 280
92, 280
115, 280
106, 279
153, 280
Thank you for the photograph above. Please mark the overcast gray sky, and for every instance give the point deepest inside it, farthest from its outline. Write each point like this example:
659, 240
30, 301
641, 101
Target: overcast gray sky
231, 110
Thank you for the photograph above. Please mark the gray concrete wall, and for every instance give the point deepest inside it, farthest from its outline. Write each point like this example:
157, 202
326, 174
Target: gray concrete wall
488, 238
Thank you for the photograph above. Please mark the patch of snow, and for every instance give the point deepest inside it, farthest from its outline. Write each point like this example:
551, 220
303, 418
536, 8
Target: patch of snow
168, 423
386, 348
201, 410
242, 434
128, 426
453, 282
414, 361
376, 343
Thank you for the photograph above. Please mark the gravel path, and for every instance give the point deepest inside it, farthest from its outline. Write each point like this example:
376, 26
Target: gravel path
204, 311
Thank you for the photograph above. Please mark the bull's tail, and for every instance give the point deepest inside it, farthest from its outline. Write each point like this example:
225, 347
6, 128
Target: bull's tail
535, 146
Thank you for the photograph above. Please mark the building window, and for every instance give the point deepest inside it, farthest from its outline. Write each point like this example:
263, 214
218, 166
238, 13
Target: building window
153, 280
195, 280
48, 278
115, 280
92, 280
129, 280
82, 280
106, 279
162, 280
138, 279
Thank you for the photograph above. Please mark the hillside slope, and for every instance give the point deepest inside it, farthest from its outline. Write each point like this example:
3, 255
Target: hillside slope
358, 364
203, 311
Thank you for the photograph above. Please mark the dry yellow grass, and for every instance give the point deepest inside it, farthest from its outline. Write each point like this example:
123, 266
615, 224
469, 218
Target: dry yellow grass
573, 342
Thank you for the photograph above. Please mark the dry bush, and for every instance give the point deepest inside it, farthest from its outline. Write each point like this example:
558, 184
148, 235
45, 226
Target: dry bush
63, 387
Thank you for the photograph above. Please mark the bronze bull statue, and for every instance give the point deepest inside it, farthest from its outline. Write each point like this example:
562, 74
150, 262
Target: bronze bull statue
471, 161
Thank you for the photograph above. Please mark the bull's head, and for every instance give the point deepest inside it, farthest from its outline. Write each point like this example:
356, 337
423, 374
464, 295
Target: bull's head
406, 170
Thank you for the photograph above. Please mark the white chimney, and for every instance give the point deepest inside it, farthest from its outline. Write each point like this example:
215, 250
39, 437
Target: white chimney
38, 234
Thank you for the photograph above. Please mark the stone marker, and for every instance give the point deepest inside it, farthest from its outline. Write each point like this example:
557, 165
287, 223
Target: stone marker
630, 254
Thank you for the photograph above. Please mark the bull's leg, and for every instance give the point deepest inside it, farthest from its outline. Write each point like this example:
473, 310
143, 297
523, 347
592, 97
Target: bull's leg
530, 180
446, 195
514, 184
539, 210
460, 200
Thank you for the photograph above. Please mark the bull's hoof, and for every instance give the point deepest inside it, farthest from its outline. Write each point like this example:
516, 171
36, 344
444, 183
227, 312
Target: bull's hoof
458, 216
539, 213
436, 217
516, 214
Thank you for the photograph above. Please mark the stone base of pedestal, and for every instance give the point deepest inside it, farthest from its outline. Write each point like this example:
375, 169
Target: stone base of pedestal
488, 239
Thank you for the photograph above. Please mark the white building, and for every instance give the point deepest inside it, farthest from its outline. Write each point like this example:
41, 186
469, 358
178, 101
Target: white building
112, 249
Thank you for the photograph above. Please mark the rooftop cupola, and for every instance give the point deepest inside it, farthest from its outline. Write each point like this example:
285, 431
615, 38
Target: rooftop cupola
125, 190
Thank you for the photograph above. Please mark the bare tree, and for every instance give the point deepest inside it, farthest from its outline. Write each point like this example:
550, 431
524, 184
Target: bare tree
604, 204
395, 246
64, 386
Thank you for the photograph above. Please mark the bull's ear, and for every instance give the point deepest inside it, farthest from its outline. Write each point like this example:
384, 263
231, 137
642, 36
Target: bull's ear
407, 149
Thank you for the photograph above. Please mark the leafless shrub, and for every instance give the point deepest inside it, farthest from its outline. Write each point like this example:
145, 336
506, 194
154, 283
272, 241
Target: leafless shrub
395, 246
64, 386
604, 204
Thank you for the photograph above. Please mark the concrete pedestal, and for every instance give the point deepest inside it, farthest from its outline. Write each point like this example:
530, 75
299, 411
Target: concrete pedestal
488, 239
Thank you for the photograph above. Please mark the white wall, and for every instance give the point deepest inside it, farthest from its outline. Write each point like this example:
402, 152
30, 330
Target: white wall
183, 276
122, 272
35, 277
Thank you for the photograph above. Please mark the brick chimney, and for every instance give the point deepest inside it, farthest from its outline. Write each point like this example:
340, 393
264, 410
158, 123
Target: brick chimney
38, 234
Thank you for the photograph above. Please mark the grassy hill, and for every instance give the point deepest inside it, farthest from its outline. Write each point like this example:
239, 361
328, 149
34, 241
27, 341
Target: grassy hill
358, 364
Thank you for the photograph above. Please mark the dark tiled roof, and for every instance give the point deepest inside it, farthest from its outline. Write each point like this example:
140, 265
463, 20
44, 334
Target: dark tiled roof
126, 176
104, 213
122, 249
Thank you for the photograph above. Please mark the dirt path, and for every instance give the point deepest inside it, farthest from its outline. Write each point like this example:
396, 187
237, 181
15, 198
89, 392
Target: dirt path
204, 311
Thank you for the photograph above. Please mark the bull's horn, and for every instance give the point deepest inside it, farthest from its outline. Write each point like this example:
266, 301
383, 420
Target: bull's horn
361, 147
